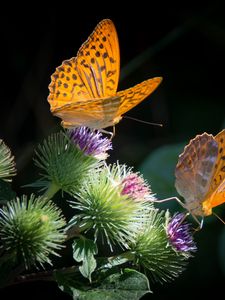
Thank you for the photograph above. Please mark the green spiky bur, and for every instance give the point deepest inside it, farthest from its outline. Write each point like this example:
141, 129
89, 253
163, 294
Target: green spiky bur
152, 251
7, 164
113, 216
64, 165
31, 229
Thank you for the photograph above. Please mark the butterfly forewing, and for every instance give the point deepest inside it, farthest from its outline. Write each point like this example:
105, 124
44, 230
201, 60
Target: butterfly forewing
133, 96
194, 169
66, 85
98, 61
219, 170
94, 73
83, 89
216, 195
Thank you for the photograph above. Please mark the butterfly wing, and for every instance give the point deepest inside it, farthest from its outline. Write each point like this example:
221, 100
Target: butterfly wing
133, 96
216, 195
194, 171
98, 61
95, 113
94, 73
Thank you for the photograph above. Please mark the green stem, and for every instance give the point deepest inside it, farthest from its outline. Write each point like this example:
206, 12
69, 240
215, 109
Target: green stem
75, 231
72, 232
51, 191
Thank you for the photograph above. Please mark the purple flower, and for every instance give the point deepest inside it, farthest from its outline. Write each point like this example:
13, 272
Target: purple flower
135, 187
90, 142
179, 234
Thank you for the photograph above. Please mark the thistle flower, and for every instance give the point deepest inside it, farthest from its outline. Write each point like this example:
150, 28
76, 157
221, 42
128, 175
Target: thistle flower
65, 165
152, 252
31, 230
179, 234
132, 183
136, 188
103, 207
90, 142
7, 164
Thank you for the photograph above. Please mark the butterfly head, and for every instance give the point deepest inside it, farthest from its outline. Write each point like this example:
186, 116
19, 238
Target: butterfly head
116, 120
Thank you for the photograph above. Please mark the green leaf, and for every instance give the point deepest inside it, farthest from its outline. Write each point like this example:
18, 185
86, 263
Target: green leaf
130, 284
70, 282
127, 285
84, 251
6, 193
108, 263
158, 168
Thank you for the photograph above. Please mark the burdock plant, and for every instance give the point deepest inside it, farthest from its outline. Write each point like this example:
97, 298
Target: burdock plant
115, 233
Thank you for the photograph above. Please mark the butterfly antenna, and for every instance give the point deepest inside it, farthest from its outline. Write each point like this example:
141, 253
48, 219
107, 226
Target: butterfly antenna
144, 122
218, 218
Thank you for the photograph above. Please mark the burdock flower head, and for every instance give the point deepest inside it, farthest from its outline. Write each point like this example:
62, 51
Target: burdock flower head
131, 183
67, 158
91, 142
107, 207
179, 234
135, 187
31, 229
7, 164
152, 251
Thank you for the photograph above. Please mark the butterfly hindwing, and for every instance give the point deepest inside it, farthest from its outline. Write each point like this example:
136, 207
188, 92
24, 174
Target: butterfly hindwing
94, 113
195, 167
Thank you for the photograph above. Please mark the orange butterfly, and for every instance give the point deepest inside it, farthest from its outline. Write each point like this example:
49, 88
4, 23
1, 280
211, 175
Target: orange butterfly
83, 90
200, 173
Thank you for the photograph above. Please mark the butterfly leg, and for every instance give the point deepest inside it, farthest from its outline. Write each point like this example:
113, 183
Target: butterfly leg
168, 199
107, 132
114, 131
200, 224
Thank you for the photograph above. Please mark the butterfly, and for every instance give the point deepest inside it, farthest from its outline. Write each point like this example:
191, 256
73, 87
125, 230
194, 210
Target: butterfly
200, 174
83, 90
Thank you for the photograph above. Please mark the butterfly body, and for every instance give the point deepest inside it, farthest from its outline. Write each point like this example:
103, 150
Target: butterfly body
99, 116
83, 90
200, 173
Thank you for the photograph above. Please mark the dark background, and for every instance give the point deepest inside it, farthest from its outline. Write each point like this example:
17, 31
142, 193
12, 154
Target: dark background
183, 44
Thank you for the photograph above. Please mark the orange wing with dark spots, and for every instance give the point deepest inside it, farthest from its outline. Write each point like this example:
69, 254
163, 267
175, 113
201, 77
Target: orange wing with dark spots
219, 170
216, 195
94, 73
98, 61
83, 90
133, 96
